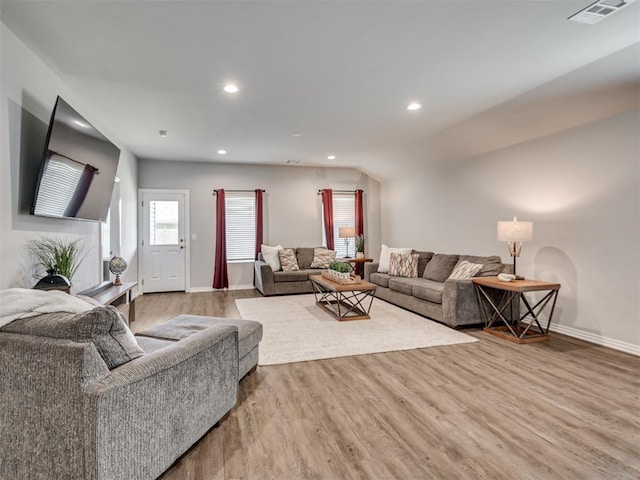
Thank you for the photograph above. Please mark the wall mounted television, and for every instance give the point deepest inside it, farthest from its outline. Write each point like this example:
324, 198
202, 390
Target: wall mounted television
78, 169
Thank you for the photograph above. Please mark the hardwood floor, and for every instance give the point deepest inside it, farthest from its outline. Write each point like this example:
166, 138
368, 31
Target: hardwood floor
564, 409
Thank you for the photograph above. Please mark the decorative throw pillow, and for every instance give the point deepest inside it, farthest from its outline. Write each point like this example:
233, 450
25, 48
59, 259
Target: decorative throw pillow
102, 326
440, 267
322, 257
465, 270
288, 260
270, 255
491, 266
403, 265
385, 257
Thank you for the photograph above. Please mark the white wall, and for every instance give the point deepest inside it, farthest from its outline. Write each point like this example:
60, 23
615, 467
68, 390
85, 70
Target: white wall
291, 205
28, 89
580, 187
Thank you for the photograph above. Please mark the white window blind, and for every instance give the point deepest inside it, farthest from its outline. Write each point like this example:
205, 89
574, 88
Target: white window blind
344, 215
240, 210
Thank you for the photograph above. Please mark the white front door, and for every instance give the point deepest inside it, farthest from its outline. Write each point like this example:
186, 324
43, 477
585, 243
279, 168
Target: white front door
163, 242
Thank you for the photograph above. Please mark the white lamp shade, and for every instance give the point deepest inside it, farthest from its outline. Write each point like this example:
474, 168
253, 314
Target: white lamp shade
346, 232
515, 231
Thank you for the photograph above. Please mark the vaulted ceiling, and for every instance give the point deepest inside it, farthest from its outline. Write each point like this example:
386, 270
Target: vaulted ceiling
339, 73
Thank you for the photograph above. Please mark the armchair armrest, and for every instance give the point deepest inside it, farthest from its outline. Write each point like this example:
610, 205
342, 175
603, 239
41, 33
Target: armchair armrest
178, 392
370, 268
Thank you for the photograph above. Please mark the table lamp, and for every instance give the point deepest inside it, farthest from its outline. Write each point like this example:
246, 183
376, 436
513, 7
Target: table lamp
514, 233
346, 233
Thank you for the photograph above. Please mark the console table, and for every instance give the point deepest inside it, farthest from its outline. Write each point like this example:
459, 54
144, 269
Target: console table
514, 329
119, 296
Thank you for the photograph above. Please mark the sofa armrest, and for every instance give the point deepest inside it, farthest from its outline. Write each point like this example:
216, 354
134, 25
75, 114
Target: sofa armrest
370, 268
152, 409
460, 303
263, 277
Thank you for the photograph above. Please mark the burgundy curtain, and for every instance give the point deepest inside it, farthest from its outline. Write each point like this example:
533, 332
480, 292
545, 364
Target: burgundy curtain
220, 277
259, 226
327, 212
359, 214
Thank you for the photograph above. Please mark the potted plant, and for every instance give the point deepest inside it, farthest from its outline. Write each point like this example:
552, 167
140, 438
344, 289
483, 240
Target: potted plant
340, 270
58, 255
360, 246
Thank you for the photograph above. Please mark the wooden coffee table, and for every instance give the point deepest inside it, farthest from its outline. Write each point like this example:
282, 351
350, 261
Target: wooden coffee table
343, 301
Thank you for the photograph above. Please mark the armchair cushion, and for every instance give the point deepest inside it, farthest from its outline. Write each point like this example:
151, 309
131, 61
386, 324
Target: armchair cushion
270, 255
288, 260
102, 326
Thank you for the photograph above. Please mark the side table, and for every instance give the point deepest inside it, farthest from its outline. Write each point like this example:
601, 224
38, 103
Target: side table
120, 296
514, 329
356, 263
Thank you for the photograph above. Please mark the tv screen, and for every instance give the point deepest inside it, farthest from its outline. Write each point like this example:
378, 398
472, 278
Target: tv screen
78, 168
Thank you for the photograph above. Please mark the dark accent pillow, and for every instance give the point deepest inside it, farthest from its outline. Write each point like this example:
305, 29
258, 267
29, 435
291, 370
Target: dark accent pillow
491, 266
440, 267
304, 255
102, 326
423, 259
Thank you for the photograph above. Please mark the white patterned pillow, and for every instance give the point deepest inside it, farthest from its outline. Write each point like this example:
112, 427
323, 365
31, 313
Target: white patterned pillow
270, 255
465, 270
322, 257
403, 265
385, 257
288, 260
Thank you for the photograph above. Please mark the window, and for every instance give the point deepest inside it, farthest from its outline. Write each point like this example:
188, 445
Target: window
240, 211
163, 222
344, 215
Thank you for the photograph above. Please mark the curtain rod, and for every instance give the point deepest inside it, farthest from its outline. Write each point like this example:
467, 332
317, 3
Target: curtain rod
341, 192
237, 191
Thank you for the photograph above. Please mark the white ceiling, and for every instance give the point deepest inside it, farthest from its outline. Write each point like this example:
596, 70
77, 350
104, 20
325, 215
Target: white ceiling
339, 72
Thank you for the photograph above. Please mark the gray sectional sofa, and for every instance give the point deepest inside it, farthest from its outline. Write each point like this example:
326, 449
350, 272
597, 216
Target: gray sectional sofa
268, 282
82, 399
432, 294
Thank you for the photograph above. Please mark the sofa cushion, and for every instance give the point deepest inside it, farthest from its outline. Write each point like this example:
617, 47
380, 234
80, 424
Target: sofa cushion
304, 256
249, 331
322, 257
381, 279
299, 276
440, 267
270, 255
423, 259
102, 326
428, 290
465, 270
403, 265
385, 257
404, 285
491, 266
288, 260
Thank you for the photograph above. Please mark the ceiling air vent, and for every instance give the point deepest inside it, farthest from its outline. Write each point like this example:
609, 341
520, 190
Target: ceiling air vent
599, 10
293, 162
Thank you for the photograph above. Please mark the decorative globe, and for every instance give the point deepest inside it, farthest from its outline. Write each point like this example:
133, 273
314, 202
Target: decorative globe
117, 265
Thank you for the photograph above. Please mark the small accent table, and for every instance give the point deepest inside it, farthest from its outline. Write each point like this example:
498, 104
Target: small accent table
513, 328
356, 263
350, 301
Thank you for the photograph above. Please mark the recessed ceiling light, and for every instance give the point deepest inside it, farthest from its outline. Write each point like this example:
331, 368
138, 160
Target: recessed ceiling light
162, 133
331, 157
222, 152
414, 106
296, 134
230, 88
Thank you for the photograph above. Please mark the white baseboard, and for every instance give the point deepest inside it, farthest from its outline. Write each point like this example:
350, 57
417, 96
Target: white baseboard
211, 289
597, 339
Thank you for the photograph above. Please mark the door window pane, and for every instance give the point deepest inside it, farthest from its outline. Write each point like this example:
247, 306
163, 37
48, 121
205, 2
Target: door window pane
163, 222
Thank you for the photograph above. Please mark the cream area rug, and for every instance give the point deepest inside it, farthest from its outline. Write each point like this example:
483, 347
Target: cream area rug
296, 330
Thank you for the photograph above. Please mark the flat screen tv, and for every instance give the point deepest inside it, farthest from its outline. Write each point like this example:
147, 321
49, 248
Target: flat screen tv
78, 169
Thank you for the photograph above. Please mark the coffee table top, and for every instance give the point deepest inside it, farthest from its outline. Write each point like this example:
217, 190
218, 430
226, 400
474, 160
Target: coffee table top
342, 287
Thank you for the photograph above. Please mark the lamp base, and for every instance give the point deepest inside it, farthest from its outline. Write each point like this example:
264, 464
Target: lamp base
519, 277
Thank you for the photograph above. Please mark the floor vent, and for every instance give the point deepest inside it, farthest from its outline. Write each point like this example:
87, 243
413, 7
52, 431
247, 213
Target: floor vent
599, 10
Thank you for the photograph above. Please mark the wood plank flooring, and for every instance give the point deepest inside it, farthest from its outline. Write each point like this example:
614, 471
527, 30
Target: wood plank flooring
564, 409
